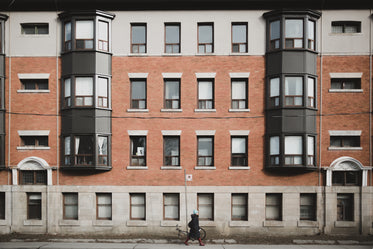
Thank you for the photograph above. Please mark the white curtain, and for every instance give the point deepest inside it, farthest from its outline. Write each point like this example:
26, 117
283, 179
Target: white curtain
77, 141
104, 206
275, 145
83, 86
102, 145
275, 87
103, 28
311, 144
171, 203
311, 87
293, 145
102, 87
238, 90
67, 87
311, 30
205, 90
84, 29
294, 86
238, 145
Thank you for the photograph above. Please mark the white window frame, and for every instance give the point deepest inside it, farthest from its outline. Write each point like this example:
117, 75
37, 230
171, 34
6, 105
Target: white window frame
347, 75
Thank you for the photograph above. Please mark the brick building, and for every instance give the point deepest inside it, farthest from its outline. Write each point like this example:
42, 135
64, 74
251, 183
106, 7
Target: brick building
124, 117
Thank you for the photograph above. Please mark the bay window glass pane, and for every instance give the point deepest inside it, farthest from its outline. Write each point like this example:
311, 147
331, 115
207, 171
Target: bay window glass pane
83, 86
293, 145
103, 30
238, 145
311, 146
84, 29
67, 87
68, 31
102, 87
275, 145
311, 87
275, 87
67, 146
239, 33
205, 34
238, 89
275, 30
293, 86
205, 90
311, 34
293, 28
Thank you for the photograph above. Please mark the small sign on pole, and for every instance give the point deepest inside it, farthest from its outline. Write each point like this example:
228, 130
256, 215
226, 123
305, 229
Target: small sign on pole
189, 177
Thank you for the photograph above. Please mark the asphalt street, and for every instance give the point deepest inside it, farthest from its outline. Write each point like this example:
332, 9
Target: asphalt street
59, 245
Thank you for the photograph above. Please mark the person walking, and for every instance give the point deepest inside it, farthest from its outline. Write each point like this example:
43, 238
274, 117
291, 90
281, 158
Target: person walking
194, 229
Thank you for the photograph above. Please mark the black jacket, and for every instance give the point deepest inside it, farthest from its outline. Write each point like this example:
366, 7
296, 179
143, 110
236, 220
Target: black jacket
194, 227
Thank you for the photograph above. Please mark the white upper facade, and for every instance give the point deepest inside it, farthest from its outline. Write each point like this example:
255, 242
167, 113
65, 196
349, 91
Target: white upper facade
18, 44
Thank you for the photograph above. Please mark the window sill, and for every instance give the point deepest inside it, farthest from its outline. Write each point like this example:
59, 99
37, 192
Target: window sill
171, 54
207, 223
33, 91
137, 167
205, 167
345, 148
239, 223
346, 90
171, 167
346, 34
32, 222
137, 223
69, 223
205, 54
137, 110
102, 223
307, 223
169, 223
345, 224
204, 110
273, 223
138, 54
32, 148
239, 53
171, 110
239, 167
239, 110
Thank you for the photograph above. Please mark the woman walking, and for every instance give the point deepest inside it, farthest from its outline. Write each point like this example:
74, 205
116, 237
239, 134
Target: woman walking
194, 229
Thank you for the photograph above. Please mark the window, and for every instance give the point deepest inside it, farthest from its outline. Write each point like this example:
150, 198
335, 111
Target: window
205, 94
274, 207
293, 91
274, 34
70, 206
345, 141
34, 84
308, 207
239, 94
2, 205
345, 207
171, 150
34, 28
172, 94
104, 206
67, 36
346, 83
138, 151
339, 27
137, 206
274, 150
33, 177
172, 38
294, 33
205, 206
67, 142
311, 35
102, 92
311, 92
67, 93
83, 91
84, 150
138, 38
205, 38
275, 92
138, 94
239, 151
171, 208
102, 148
346, 178
239, 37
239, 207
293, 150
34, 141
103, 36
34, 206
205, 151
84, 35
